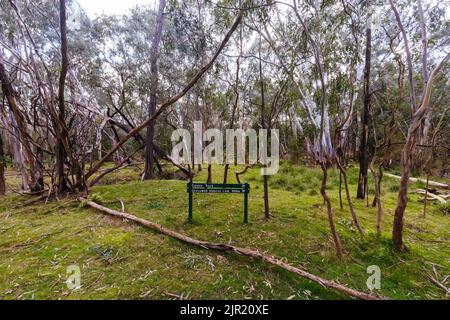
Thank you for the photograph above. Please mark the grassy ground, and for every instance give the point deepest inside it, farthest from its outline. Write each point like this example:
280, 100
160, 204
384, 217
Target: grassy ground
120, 260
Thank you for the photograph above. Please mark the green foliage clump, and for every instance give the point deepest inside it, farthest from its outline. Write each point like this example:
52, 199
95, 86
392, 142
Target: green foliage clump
83, 204
96, 197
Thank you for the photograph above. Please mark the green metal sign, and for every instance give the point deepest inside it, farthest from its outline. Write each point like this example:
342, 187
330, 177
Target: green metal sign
218, 188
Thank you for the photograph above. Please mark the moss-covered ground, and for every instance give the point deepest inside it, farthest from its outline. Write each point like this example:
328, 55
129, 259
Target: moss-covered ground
121, 260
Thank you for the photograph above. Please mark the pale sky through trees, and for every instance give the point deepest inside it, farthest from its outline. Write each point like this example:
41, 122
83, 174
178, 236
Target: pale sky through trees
111, 7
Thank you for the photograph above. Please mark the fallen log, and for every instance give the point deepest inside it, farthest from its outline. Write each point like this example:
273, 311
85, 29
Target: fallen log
411, 179
226, 247
433, 196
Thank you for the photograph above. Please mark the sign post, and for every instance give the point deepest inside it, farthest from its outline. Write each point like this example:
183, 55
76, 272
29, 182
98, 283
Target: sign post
218, 188
190, 205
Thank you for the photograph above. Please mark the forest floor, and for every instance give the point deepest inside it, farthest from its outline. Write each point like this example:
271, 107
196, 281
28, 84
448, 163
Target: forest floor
121, 260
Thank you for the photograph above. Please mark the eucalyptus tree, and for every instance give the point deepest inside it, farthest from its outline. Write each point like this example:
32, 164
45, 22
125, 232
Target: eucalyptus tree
149, 153
417, 114
434, 26
20, 43
344, 89
364, 138
172, 100
308, 68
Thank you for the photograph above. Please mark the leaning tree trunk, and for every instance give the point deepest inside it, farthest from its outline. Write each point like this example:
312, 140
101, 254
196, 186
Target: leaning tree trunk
343, 174
19, 120
149, 148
